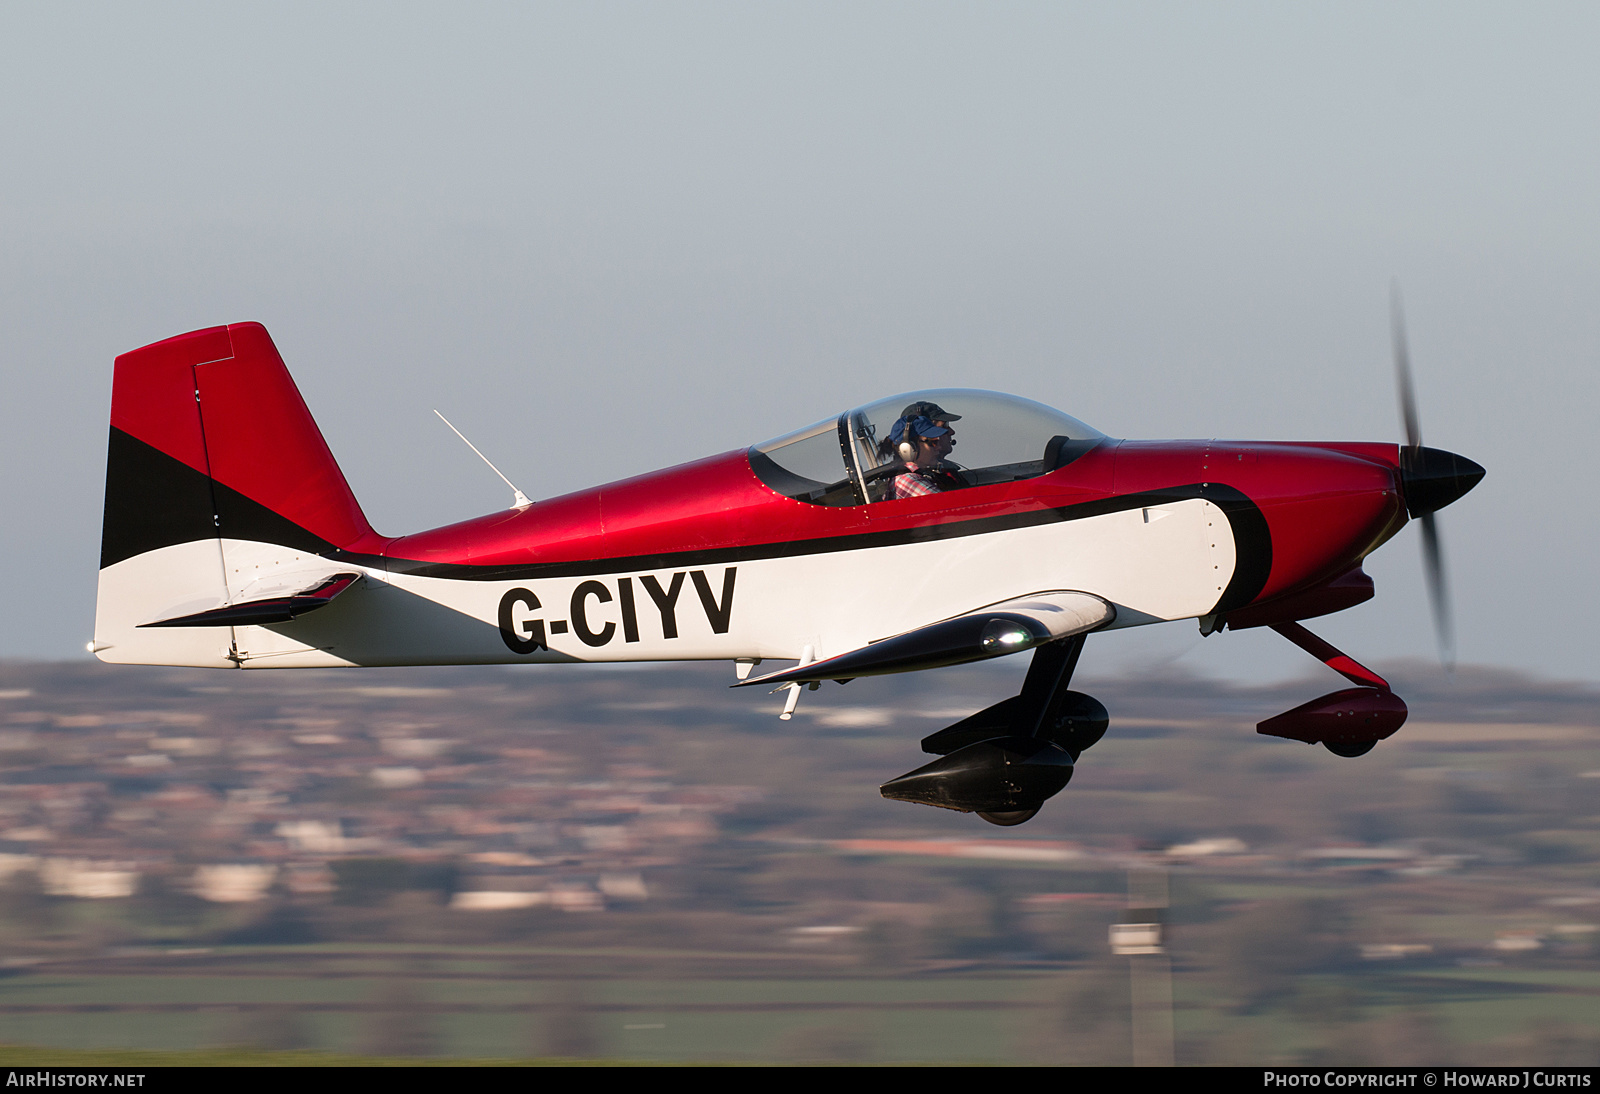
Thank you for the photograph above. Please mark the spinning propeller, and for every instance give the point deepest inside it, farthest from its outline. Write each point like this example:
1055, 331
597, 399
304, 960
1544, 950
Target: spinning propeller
1430, 478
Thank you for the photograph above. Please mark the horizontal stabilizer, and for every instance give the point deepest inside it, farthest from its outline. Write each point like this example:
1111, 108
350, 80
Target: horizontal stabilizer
275, 609
1008, 627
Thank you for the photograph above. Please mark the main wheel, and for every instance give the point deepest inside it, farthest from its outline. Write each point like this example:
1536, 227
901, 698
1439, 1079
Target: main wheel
1008, 819
1350, 751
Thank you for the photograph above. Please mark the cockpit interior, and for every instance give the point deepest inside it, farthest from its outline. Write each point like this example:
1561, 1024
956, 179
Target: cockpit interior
849, 459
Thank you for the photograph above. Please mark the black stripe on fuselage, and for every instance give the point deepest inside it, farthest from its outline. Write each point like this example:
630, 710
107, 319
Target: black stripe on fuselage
154, 501
1252, 549
1253, 543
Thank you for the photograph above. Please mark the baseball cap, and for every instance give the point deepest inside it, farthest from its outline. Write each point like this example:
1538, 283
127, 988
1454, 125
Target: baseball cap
931, 411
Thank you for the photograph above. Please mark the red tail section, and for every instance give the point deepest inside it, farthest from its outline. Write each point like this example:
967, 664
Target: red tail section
263, 443
153, 394
221, 402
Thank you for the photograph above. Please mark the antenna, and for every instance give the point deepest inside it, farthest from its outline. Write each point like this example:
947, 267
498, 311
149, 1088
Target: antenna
520, 501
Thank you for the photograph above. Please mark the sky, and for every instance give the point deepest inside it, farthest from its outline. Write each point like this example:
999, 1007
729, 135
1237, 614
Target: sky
609, 237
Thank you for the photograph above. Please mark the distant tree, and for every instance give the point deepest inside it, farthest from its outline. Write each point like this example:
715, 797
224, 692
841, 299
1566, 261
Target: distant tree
268, 1030
24, 907
886, 945
367, 881
1261, 953
569, 1027
830, 1044
403, 1026
168, 904
277, 922
1087, 1024
1239, 1044
1544, 1044
1411, 1038
441, 878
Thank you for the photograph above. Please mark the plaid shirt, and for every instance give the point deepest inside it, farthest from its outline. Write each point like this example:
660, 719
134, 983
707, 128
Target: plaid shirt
913, 484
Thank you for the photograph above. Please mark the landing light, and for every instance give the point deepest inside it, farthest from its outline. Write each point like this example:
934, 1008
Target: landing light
1005, 636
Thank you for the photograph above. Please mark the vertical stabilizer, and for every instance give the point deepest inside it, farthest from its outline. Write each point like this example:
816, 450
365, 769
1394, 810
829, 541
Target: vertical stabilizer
214, 469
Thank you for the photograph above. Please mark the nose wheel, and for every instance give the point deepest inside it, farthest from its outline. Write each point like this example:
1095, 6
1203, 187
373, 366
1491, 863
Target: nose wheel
1347, 723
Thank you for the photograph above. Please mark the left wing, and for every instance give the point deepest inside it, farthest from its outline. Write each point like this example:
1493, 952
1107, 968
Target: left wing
994, 631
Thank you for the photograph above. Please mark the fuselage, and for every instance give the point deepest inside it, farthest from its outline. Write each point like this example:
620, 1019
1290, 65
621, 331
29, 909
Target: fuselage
705, 561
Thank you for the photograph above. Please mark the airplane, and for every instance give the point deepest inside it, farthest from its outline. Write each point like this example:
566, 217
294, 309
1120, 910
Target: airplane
856, 546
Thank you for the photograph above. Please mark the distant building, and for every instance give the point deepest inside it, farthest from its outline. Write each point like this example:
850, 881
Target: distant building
88, 880
236, 883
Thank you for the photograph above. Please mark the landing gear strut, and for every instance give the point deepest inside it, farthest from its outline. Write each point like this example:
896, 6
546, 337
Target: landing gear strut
1347, 723
1005, 761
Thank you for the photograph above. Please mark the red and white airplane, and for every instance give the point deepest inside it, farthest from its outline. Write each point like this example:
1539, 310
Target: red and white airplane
853, 546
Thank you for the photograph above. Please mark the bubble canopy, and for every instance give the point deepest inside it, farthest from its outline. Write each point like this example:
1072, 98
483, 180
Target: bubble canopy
849, 460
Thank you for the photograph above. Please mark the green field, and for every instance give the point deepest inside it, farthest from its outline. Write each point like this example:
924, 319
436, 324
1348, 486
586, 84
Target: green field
322, 1005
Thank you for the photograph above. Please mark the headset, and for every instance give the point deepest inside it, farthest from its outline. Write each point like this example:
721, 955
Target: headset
910, 431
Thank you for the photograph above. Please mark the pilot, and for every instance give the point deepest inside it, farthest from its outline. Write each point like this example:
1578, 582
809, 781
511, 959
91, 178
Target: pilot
922, 438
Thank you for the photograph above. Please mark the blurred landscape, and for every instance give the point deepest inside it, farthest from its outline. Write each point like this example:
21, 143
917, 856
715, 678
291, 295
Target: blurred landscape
640, 864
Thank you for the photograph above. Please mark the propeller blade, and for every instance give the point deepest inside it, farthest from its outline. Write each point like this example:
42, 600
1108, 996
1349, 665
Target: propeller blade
1417, 459
1438, 591
1402, 369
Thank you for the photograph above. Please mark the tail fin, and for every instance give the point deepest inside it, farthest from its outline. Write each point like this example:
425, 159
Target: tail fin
212, 456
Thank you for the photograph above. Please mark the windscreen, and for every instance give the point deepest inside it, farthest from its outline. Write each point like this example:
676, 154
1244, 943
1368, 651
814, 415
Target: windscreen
851, 459
995, 437
807, 465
